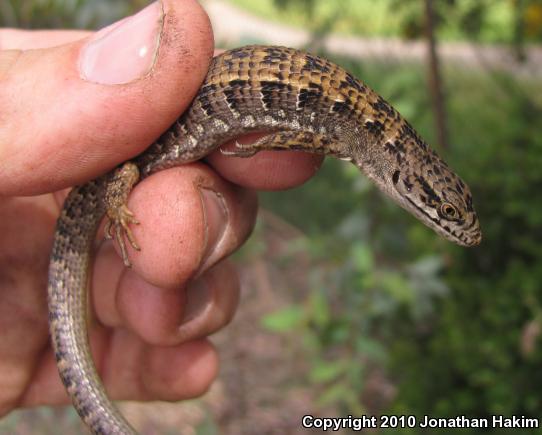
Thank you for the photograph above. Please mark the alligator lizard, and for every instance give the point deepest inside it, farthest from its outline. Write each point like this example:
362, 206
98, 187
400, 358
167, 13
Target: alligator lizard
302, 102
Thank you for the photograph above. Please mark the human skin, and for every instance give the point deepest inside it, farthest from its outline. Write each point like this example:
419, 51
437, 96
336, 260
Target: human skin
60, 127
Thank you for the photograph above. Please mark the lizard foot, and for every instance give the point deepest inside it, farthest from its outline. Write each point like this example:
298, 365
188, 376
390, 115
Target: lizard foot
119, 215
282, 140
241, 150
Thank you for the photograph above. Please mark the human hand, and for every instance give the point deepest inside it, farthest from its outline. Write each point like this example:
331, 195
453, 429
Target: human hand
74, 105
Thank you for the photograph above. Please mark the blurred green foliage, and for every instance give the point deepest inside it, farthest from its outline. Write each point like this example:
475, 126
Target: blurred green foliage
81, 14
451, 324
484, 20
472, 360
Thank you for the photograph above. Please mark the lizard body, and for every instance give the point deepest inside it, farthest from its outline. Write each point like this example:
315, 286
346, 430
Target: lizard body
303, 102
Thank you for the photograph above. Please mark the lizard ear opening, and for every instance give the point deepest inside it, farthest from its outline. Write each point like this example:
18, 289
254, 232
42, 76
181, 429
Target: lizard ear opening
395, 177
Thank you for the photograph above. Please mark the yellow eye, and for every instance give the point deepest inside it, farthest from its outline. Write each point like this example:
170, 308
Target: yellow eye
448, 211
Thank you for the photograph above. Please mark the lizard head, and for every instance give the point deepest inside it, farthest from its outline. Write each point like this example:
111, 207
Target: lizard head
423, 184
440, 199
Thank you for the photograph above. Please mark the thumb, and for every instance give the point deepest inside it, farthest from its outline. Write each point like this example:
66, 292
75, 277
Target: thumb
69, 113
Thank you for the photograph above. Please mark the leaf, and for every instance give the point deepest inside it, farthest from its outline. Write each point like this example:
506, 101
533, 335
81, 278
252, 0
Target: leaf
284, 320
319, 309
337, 393
371, 348
363, 257
326, 371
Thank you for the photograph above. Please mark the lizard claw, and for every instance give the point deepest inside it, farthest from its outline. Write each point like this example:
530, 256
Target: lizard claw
119, 224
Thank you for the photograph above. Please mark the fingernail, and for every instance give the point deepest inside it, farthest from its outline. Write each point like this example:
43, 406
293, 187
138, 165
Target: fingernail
123, 51
216, 222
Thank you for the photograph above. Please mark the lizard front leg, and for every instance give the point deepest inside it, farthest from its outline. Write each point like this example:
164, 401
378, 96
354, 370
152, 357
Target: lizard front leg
119, 215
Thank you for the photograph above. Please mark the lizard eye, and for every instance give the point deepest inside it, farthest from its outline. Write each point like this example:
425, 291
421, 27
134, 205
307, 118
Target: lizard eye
448, 211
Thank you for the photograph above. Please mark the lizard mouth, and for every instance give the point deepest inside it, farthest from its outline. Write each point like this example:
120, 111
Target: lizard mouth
470, 235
